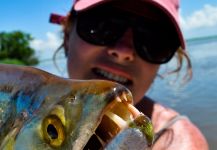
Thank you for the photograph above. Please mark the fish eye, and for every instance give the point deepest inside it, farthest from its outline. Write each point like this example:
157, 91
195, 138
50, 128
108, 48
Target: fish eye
53, 131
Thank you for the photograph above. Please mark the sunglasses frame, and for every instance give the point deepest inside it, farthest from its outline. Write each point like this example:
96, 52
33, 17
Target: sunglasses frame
142, 53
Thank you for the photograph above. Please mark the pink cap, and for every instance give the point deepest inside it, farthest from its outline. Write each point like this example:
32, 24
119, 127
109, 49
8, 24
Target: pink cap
169, 7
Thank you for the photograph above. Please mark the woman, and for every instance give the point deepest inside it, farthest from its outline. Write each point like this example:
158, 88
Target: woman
126, 41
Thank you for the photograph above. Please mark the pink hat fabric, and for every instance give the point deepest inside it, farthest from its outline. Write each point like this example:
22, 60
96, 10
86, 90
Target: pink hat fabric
169, 7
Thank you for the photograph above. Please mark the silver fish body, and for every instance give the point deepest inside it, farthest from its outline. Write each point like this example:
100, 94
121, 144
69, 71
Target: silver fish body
39, 110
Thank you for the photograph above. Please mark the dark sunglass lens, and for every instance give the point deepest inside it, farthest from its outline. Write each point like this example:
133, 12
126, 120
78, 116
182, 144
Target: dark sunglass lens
154, 44
99, 29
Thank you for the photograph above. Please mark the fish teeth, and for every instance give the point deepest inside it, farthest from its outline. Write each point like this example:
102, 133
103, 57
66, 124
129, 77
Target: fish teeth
112, 76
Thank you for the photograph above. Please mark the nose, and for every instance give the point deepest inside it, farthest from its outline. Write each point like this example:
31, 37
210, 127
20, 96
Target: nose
123, 50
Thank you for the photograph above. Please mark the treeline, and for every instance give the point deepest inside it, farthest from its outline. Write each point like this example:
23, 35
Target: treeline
15, 48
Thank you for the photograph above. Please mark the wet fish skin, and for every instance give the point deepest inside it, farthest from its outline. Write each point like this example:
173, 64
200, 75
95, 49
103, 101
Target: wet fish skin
129, 139
39, 110
29, 95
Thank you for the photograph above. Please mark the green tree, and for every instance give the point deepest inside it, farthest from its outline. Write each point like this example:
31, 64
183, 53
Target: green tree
15, 48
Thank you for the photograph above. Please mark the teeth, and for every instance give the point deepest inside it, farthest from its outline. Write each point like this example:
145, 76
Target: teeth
113, 121
116, 118
120, 122
112, 76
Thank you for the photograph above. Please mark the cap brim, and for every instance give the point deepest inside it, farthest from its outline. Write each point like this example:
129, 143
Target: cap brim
82, 5
165, 6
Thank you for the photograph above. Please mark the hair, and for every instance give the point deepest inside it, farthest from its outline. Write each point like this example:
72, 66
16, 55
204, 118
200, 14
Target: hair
181, 54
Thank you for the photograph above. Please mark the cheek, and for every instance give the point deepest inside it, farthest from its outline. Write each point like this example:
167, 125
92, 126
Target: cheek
76, 57
144, 80
81, 56
148, 75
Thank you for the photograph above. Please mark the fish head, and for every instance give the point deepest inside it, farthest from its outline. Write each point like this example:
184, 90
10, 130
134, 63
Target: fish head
56, 113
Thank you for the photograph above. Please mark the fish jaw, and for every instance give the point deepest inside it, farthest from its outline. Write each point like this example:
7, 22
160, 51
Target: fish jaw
77, 105
60, 113
97, 107
80, 116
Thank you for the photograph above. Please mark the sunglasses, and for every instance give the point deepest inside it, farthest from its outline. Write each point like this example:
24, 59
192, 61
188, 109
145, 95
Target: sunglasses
154, 41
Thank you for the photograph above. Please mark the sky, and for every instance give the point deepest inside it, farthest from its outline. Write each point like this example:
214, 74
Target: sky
198, 18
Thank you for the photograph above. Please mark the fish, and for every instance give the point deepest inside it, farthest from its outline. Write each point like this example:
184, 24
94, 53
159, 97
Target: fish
39, 110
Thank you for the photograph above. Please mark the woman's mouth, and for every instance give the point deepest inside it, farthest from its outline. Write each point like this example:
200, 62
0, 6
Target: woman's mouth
111, 76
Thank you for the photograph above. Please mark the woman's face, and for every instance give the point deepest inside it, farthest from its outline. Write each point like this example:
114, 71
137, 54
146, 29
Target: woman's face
118, 63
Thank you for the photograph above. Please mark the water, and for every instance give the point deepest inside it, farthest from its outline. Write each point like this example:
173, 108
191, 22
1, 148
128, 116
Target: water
198, 98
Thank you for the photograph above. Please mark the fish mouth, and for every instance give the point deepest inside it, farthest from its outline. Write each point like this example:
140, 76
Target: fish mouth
104, 74
115, 117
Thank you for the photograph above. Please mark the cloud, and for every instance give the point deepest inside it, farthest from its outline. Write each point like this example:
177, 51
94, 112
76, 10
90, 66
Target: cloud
45, 48
52, 42
206, 17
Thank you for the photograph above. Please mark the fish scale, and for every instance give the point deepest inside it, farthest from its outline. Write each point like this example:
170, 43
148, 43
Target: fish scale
39, 110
